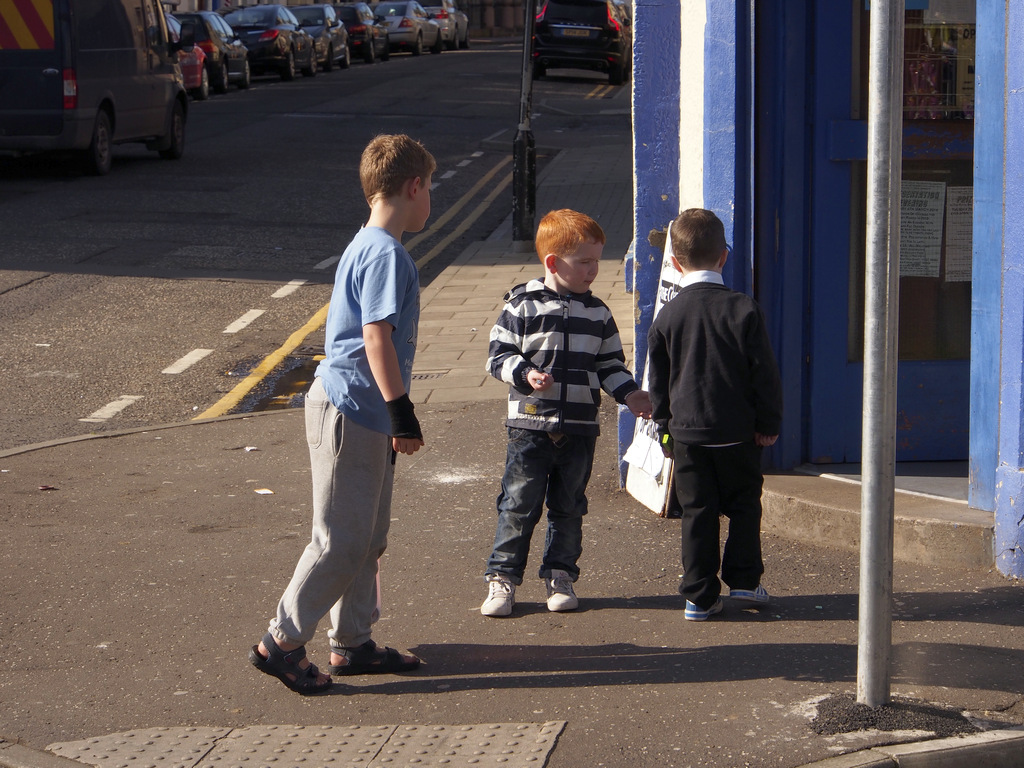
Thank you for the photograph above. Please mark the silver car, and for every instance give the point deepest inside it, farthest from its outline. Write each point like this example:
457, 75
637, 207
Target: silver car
410, 27
453, 22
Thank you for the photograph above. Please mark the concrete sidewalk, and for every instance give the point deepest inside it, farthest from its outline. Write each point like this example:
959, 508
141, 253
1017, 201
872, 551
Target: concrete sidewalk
139, 568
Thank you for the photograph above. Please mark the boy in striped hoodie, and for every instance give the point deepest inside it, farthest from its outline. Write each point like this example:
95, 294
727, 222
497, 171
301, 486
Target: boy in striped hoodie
557, 346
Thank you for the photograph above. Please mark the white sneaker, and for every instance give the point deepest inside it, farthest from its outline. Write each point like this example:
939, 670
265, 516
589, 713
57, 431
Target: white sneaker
501, 596
560, 594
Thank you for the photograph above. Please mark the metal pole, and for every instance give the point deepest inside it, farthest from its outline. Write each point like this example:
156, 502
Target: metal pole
524, 154
885, 151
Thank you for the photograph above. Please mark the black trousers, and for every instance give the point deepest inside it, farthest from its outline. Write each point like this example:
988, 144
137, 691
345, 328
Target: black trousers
719, 481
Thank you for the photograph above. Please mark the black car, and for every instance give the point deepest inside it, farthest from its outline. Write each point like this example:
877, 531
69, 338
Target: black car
366, 37
583, 34
227, 58
329, 35
275, 40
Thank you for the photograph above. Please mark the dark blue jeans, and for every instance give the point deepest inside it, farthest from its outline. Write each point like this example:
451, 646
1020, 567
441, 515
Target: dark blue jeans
538, 468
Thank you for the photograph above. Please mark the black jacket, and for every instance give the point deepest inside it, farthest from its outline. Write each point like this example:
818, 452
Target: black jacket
713, 377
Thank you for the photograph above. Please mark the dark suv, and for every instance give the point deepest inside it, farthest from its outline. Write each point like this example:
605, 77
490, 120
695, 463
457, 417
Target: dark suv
583, 34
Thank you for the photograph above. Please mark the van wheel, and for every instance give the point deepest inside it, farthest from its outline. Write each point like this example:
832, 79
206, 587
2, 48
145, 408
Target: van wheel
176, 147
97, 157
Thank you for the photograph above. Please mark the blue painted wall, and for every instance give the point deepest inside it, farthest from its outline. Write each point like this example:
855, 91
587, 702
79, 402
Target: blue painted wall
1009, 528
657, 32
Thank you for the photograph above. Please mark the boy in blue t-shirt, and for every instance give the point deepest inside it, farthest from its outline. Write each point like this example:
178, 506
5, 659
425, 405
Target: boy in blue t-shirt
358, 417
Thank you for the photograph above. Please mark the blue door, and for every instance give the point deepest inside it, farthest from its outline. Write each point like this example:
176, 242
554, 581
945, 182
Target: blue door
935, 268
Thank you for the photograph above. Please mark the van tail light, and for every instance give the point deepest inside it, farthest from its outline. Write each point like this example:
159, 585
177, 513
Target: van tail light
612, 23
405, 23
70, 89
269, 35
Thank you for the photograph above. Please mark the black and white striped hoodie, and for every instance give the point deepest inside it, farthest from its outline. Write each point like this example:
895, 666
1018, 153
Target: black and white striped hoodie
572, 337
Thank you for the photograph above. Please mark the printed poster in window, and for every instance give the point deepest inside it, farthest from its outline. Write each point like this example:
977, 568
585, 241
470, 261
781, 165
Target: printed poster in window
959, 231
922, 207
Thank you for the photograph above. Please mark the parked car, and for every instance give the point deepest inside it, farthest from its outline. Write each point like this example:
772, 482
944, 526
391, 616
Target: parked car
453, 22
329, 35
227, 58
410, 28
583, 34
194, 74
366, 37
275, 40
94, 76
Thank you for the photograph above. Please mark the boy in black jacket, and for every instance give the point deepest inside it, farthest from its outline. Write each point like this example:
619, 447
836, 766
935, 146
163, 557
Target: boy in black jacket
717, 400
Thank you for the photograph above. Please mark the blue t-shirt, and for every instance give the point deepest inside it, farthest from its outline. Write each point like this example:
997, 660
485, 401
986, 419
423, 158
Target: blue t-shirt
376, 280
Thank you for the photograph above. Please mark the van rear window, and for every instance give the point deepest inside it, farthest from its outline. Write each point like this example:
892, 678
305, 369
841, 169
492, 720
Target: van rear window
26, 25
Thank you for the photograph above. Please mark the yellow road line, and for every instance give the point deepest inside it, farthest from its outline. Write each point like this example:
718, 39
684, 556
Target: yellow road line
448, 215
265, 368
274, 359
467, 222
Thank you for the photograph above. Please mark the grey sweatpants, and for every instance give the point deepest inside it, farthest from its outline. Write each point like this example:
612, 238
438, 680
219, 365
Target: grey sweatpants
352, 481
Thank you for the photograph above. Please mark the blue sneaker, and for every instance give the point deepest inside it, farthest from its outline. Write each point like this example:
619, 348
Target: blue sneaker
759, 595
693, 613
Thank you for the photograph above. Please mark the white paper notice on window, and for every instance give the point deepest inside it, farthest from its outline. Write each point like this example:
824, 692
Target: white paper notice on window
922, 205
959, 232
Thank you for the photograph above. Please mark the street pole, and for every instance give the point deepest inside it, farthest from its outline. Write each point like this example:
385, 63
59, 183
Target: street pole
524, 154
881, 306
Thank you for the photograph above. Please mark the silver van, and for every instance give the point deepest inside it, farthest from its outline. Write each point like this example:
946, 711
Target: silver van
84, 75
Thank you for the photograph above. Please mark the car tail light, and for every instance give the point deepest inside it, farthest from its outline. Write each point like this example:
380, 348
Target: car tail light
268, 35
356, 29
70, 89
543, 10
206, 45
442, 14
405, 23
612, 23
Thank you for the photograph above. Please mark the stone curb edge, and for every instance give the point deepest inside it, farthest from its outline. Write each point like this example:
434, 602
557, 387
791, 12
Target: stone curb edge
993, 749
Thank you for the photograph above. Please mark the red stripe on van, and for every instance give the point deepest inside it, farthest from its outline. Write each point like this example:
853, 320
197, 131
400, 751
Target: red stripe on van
23, 15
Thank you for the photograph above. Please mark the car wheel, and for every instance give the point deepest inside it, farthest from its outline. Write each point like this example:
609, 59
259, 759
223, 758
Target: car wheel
464, 43
438, 45
452, 44
417, 46
97, 157
246, 76
616, 74
202, 93
329, 61
176, 146
386, 53
221, 83
310, 71
346, 58
369, 54
539, 71
288, 70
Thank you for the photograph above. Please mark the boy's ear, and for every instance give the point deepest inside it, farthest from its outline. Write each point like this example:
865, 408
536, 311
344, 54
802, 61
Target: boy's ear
676, 264
551, 263
725, 257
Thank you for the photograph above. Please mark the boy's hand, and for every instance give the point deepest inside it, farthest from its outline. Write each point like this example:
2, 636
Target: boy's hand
539, 380
639, 403
406, 445
763, 441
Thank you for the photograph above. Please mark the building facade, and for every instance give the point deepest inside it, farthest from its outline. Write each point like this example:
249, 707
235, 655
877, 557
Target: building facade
758, 111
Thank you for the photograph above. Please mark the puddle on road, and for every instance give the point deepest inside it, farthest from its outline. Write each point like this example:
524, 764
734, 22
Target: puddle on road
285, 387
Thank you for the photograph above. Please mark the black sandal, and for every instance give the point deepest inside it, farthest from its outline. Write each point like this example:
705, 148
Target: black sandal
368, 659
285, 667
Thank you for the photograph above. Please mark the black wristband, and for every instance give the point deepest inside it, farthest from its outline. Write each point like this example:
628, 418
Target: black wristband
403, 419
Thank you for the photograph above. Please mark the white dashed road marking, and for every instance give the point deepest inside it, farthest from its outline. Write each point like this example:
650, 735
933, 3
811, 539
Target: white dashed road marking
244, 320
286, 290
110, 410
187, 361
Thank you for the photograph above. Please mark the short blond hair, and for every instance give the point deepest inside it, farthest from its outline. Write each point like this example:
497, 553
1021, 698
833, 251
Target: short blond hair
391, 160
562, 232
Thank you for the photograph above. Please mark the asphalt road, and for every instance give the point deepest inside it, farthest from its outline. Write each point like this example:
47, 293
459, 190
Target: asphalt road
144, 296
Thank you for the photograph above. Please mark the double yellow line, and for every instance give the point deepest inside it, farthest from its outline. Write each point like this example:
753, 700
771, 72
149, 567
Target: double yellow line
233, 398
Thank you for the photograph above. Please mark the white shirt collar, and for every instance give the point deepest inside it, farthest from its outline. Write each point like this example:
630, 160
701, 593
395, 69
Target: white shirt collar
701, 276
